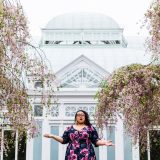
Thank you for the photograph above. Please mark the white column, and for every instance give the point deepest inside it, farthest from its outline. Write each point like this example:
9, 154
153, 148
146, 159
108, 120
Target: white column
62, 147
45, 141
62, 127
29, 149
148, 146
119, 142
2, 143
135, 152
103, 149
29, 144
102, 152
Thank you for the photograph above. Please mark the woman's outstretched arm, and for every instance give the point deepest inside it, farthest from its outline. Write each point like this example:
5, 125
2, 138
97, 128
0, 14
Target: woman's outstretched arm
55, 137
104, 143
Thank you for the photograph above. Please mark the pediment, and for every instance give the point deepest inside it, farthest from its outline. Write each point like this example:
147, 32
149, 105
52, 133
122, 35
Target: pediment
81, 73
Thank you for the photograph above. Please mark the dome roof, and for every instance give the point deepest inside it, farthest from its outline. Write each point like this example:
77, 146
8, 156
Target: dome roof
82, 21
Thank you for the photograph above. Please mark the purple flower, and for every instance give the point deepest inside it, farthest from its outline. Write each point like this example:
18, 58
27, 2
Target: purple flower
72, 156
84, 135
84, 151
72, 136
75, 144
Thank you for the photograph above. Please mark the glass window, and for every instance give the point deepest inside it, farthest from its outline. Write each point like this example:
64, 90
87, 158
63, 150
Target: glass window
111, 136
54, 145
38, 111
127, 147
38, 84
37, 144
155, 144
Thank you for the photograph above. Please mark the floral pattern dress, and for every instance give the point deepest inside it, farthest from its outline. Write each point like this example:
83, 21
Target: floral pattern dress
80, 143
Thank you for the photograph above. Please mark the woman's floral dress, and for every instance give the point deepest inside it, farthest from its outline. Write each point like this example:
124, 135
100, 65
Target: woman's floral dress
80, 143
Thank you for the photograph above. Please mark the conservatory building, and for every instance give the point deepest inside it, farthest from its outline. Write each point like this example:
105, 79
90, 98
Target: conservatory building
83, 48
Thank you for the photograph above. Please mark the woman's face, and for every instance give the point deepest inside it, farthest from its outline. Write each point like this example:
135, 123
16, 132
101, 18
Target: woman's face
80, 118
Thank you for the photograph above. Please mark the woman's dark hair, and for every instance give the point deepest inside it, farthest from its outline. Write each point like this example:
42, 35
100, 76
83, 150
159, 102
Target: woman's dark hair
87, 120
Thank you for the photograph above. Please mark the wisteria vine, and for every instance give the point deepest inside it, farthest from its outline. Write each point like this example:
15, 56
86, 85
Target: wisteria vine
16, 63
132, 93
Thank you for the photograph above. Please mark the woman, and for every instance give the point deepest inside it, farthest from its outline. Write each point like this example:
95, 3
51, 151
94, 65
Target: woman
80, 136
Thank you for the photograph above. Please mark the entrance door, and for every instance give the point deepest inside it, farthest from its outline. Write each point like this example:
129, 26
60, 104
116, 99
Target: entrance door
155, 145
13, 150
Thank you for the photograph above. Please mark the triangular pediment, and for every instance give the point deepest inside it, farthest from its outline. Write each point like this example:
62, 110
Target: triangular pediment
81, 73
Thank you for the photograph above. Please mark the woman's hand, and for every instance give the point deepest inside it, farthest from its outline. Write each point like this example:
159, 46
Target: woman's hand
47, 135
107, 143
103, 142
57, 138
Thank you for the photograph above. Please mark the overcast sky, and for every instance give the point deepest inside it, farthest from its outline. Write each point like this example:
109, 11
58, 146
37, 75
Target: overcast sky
126, 12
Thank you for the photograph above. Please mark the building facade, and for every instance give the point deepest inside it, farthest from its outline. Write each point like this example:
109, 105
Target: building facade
83, 49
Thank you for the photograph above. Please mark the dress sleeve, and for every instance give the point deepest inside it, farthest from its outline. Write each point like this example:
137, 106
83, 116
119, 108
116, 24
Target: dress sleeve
94, 136
65, 136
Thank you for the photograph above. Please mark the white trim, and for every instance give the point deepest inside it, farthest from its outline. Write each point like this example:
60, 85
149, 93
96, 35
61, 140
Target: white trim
148, 146
2, 142
62, 147
29, 149
16, 146
81, 77
155, 128
45, 141
103, 149
119, 140
135, 151
86, 61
